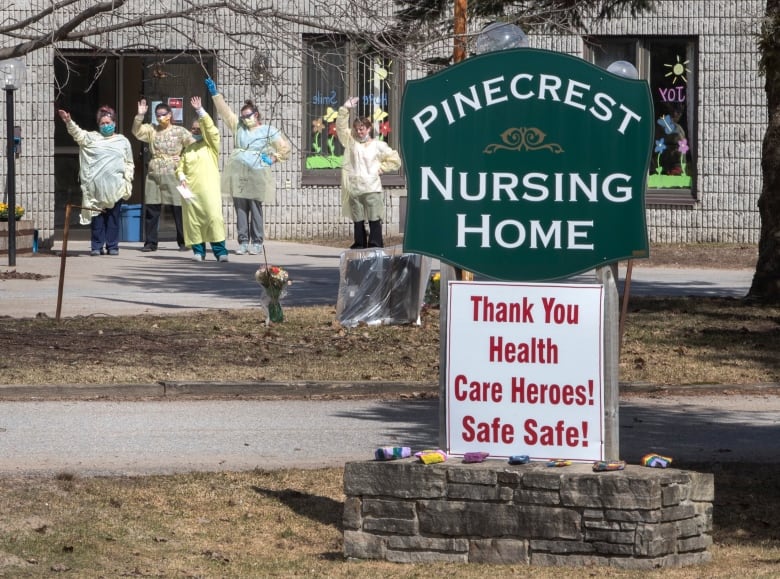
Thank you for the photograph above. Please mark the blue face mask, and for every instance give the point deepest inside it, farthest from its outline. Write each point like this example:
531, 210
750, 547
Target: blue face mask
197, 138
107, 130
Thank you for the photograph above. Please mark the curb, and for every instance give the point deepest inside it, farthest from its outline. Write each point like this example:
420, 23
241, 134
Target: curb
202, 390
317, 390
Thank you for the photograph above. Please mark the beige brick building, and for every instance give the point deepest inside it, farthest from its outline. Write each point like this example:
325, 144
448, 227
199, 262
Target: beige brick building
699, 56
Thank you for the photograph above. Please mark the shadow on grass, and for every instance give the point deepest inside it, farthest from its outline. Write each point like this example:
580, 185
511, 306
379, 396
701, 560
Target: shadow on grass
323, 510
725, 332
746, 509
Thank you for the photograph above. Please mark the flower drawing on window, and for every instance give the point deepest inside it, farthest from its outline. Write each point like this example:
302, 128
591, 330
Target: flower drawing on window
324, 159
316, 126
384, 130
660, 147
683, 148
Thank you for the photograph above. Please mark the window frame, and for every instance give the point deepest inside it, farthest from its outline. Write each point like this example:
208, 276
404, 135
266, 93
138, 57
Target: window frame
638, 50
350, 85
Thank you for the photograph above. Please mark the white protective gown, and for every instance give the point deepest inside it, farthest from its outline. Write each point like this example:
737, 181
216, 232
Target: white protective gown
363, 164
106, 169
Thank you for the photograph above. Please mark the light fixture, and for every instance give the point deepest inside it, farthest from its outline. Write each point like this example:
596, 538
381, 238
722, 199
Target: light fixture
623, 68
500, 36
11, 77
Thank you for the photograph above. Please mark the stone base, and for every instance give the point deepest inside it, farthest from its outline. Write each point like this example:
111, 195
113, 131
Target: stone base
639, 518
25, 232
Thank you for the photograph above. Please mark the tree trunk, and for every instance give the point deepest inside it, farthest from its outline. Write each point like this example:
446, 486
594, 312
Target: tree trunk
766, 280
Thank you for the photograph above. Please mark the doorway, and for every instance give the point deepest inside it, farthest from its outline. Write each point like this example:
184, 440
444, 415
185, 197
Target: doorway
84, 82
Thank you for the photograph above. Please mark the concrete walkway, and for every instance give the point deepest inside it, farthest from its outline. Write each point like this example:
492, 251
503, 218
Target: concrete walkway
170, 281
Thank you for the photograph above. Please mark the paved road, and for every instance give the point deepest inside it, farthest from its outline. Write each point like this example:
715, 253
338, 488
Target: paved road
132, 438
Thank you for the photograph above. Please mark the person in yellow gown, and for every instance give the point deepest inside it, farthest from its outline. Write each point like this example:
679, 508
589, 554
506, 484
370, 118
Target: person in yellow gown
166, 142
198, 171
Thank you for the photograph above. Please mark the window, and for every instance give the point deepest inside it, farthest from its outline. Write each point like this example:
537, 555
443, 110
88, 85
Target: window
334, 69
668, 66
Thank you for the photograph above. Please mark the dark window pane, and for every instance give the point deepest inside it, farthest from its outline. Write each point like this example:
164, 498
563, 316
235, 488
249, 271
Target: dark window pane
605, 52
85, 83
325, 90
670, 69
376, 82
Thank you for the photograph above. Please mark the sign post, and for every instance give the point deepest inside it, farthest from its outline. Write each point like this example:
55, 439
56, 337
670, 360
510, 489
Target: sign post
526, 165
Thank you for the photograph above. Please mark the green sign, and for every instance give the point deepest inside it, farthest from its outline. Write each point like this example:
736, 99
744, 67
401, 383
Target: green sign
526, 165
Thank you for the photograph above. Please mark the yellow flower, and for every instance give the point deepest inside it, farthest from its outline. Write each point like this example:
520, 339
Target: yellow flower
19, 213
379, 114
330, 115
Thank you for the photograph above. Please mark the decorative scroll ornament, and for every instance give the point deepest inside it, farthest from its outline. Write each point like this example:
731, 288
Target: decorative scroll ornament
523, 139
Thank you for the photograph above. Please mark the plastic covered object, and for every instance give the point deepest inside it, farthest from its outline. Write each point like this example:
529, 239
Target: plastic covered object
381, 286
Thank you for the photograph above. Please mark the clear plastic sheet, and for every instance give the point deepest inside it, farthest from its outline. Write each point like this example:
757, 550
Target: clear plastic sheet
381, 286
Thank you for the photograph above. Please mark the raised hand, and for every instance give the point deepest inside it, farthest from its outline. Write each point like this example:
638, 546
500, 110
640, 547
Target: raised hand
196, 102
351, 102
142, 107
64, 115
211, 86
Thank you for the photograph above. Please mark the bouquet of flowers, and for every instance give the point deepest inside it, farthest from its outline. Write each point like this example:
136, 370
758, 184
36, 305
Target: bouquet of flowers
4, 212
274, 281
432, 292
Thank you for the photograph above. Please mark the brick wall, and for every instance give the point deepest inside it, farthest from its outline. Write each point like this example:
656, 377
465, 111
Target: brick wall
731, 118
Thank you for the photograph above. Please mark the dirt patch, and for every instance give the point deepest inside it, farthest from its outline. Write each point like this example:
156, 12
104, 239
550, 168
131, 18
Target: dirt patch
705, 256
4, 275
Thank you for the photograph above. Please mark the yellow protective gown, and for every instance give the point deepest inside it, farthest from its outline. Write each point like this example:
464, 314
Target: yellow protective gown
363, 165
105, 169
246, 175
199, 165
165, 147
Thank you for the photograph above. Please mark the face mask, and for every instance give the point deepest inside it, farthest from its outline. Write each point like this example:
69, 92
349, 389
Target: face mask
107, 130
250, 123
164, 121
197, 138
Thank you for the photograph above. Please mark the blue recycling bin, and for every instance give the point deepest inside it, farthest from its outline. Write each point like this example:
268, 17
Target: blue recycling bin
130, 223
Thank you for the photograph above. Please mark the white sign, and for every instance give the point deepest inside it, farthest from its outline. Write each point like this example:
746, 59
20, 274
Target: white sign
525, 370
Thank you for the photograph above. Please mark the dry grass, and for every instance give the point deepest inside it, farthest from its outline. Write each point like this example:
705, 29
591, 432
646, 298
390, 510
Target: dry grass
700, 341
288, 524
666, 341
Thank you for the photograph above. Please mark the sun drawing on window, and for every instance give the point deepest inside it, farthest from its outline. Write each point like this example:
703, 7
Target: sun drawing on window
678, 70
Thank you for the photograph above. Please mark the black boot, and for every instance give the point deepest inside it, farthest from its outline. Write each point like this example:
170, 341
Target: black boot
375, 234
360, 236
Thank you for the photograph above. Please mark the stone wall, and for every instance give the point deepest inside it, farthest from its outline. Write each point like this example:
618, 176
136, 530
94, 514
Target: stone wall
639, 518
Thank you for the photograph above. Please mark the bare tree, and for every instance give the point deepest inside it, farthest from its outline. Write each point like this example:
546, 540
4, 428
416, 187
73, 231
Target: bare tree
766, 280
249, 24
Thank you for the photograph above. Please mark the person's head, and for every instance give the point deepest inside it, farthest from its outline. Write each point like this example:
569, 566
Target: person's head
195, 130
106, 120
250, 116
162, 113
674, 110
363, 129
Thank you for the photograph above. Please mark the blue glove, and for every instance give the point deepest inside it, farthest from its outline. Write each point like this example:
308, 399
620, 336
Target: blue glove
266, 159
211, 86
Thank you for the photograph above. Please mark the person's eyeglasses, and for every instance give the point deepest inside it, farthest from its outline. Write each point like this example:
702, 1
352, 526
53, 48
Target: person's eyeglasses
161, 115
195, 131
248, 116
